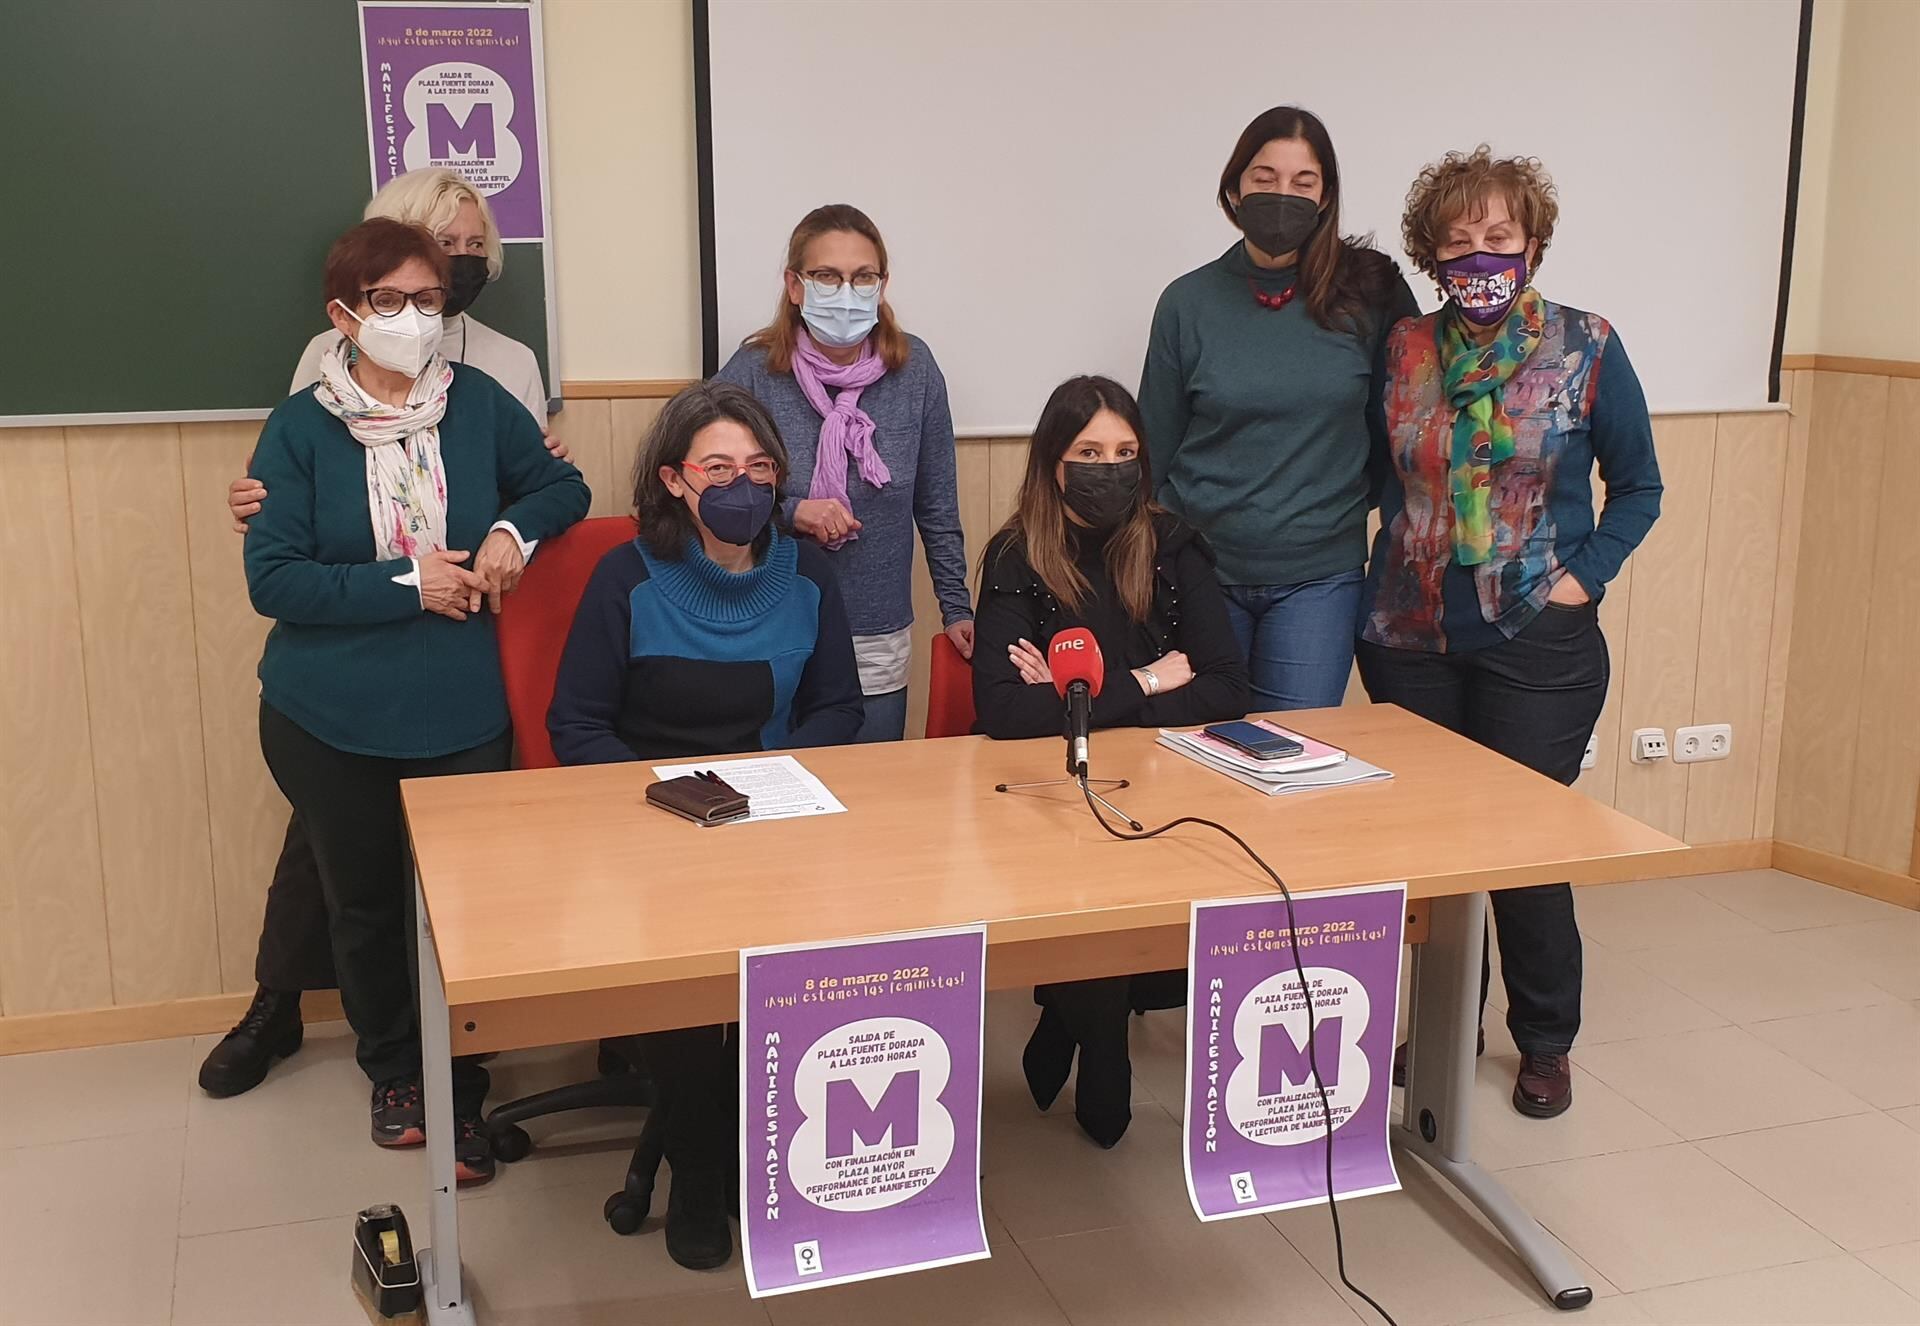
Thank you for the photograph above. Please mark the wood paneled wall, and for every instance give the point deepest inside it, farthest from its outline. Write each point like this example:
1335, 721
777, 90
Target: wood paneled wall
138, 825
1849, 764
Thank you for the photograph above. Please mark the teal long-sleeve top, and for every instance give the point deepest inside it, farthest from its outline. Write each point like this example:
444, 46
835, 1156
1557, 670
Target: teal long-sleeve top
353, 658
1261, 423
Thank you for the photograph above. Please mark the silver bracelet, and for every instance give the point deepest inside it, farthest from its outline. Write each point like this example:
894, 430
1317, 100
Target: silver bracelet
1153, 681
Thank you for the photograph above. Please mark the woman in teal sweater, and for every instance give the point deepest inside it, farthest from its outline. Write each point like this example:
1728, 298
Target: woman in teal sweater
1261, 395
381, 664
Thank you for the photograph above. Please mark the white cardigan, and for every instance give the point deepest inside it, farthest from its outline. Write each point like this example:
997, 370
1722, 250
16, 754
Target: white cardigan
467, 341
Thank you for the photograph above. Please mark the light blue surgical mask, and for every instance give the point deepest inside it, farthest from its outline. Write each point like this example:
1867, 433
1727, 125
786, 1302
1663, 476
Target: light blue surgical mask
839, 318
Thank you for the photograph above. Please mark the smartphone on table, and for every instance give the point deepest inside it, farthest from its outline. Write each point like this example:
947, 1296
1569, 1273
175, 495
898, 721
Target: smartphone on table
1259, 742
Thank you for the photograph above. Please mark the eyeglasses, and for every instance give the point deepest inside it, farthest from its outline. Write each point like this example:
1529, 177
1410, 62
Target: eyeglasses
720, 473
830, 281
387, 301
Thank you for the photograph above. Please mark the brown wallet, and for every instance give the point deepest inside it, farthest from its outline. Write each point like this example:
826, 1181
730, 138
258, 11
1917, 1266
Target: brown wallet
704, 801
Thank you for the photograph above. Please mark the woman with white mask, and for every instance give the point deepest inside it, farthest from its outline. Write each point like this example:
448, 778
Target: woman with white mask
408, 492
862, 409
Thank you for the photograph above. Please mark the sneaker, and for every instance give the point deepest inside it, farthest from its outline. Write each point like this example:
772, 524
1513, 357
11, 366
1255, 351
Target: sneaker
473, 1161
270, 1030
1544, 1087
698, 1236
399, 1117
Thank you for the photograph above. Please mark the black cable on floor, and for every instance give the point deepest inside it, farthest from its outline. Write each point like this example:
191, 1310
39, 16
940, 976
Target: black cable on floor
1313, 1062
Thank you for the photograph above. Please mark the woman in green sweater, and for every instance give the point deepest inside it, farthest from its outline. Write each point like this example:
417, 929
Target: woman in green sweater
1262, 399
381, 664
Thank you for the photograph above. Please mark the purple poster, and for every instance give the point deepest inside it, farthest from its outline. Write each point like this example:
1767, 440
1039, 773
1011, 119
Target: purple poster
456, 86
860, 1104
1255, 1128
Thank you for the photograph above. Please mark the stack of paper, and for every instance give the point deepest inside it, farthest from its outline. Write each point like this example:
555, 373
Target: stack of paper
1317, 768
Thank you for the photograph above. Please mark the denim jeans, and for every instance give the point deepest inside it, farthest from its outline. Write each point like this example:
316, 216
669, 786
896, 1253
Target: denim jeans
1534, 699
886, 716
1298, 639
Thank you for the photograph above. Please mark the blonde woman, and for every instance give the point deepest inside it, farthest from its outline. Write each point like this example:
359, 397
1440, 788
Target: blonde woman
294, 954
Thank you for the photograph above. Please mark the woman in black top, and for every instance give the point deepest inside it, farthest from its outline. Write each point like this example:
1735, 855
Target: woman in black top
1088, 547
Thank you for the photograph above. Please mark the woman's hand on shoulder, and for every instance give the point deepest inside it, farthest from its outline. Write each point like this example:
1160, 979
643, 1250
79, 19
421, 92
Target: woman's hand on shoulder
1030, 663
557, 447
244, 496
448, 588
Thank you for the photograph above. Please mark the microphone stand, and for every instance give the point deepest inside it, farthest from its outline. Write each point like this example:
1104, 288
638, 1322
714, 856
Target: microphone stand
1079, 707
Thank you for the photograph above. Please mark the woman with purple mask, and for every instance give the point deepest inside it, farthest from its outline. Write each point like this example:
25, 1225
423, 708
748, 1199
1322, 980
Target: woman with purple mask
1481, 605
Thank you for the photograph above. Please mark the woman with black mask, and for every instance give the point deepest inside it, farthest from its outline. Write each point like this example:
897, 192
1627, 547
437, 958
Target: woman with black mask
1087, 547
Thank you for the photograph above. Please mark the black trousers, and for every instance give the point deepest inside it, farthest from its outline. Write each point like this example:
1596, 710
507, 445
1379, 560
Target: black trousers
695, 1073
296, 950
350, 807
1534, 699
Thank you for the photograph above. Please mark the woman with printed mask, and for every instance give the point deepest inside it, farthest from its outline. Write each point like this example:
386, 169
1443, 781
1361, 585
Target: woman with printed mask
863, 409
381, 665
1261, 394
293, 954
1481, 609
1088, 547
713, 632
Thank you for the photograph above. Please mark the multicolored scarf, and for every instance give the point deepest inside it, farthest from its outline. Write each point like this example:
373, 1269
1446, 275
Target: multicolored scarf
406, 476
1473, 375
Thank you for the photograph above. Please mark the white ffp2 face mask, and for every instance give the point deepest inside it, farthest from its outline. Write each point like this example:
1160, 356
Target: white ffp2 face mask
403, 343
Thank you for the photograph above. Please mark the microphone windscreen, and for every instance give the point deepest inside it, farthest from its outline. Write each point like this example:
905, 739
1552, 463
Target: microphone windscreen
1074, 655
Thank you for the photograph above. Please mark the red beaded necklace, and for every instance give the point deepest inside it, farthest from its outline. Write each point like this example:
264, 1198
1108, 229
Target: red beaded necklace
1272, 302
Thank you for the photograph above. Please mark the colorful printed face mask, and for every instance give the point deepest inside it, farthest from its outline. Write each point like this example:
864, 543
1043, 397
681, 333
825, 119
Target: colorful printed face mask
1484, 285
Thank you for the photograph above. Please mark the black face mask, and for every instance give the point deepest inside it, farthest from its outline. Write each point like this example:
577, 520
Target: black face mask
1102, 495
464, 284
1277, 223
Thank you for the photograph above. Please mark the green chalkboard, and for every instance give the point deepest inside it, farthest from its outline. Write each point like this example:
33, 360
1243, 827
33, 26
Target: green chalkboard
171, 173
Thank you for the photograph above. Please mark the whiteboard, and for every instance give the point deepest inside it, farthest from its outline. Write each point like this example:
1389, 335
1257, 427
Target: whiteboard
1041, 169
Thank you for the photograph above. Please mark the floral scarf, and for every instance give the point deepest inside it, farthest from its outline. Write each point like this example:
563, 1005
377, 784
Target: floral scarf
1473, 376
406, 477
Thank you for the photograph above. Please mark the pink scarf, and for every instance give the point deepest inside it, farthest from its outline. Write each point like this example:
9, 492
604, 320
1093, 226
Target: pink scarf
845, 429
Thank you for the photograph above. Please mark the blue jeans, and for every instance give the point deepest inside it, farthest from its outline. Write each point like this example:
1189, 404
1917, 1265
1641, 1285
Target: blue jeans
1298, 639
886, 717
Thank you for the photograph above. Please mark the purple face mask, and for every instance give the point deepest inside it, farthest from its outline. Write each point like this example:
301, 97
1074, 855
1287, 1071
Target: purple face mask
1484, 285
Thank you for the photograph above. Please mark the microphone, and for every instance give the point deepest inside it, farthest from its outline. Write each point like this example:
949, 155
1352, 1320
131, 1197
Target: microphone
1073, 656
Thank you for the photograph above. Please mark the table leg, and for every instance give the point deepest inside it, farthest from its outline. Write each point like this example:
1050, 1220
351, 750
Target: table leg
1438, 1126
440, 1280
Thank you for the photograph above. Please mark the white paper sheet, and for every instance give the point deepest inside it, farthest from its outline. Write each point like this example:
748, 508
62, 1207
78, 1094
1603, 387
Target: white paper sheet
777, 787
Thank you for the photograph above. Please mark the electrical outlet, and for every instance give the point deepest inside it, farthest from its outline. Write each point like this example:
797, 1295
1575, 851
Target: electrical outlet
1707, 741
1649, 745
1592, 755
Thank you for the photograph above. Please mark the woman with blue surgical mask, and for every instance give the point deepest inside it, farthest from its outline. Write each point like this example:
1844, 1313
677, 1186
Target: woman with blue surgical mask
862, 408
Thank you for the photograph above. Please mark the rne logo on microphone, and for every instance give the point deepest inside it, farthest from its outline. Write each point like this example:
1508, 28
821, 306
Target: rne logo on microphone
1076, 643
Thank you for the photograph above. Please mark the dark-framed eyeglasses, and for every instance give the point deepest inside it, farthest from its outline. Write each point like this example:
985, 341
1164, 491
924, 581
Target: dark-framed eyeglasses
720, 473
830, 281
387, 302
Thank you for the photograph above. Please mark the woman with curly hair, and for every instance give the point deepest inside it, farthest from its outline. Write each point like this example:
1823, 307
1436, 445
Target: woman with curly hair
1480, 610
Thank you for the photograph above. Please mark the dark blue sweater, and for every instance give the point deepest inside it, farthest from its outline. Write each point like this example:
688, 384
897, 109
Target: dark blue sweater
675, 658
353, 658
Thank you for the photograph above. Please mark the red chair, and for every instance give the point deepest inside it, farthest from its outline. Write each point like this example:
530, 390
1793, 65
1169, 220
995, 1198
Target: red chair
949, 691
533, 626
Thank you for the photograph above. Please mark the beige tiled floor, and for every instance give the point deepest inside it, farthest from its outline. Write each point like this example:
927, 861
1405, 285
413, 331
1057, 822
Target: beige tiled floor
1744, 1149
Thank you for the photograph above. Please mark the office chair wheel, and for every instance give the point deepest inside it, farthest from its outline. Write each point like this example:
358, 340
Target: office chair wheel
625, 1213
510, 1143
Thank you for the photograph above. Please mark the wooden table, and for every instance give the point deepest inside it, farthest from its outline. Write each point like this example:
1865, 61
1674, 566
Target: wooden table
556, 906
